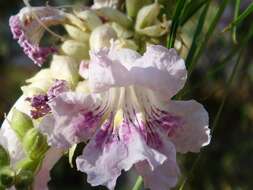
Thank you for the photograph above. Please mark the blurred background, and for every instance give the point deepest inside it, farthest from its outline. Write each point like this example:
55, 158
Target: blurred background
225, 164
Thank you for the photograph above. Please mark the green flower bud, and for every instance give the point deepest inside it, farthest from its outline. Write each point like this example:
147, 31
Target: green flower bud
75, 49
7, 176
34, 144
4, 157
114, 15
65, 68
20, 123
24, 180
133, 6
102, 36
147, 16
121, 31
75, 21
90, 18
156, 30
76, 33
28, 164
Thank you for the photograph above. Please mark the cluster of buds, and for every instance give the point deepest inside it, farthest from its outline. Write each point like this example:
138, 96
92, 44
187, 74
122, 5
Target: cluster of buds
110, 41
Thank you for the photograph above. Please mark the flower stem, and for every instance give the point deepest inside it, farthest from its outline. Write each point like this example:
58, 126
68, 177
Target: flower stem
138, 183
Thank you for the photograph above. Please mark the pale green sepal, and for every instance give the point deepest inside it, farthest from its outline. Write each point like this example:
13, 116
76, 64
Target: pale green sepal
20, 123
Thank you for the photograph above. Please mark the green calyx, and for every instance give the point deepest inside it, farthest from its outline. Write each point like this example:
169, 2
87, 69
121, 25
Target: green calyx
7, 176
20, 123
24, 180
4, 157
34, 144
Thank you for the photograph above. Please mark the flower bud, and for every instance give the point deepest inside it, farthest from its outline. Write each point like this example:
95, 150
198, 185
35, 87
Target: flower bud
76, 33
4, 157
75, 49
24, 180
28, 164
90, 18
20, 123
101, 37
113, 15
133, 6
65, 68
74, 20
7, 176
156, 30
38, 83
34, 144
121, 31
147, 16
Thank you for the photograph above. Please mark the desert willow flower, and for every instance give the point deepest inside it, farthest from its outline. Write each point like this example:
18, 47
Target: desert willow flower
129, 118
122, 107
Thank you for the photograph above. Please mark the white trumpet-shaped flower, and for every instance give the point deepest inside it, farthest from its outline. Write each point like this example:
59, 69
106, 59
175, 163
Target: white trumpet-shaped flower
129, 117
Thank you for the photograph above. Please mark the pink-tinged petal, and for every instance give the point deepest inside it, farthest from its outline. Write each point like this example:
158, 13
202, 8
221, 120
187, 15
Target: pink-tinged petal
194, 132
43, 176
28, 31
164, 176
110, 68
161, 70
108, 153
74, 118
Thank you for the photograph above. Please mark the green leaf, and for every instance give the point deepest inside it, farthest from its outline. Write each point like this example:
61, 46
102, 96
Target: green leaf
180, 6
197, 34
138, 183
240, 18
237, 9
203, 42
192, 8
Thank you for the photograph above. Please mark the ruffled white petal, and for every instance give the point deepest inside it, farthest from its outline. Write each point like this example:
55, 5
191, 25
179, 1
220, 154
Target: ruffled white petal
164, 176
194, 132
161, 70
103, 162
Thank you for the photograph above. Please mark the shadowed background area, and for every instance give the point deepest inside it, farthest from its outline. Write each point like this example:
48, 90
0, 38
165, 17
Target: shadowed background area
226, 164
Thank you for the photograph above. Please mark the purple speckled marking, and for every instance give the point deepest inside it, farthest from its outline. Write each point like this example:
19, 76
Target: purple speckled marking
39, 106
33, 51
39, 103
